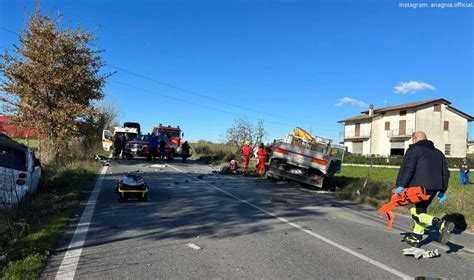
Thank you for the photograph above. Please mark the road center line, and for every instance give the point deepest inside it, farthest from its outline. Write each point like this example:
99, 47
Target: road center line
68, 266
320, 237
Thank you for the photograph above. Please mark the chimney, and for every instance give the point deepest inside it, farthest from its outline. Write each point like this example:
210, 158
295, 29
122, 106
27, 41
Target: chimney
371, 109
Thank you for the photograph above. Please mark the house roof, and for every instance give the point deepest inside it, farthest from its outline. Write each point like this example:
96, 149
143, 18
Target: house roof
358, 118
377, 112
409, 105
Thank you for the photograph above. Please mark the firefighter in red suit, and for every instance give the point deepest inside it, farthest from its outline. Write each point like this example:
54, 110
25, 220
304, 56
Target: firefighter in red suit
262, 156
246, 151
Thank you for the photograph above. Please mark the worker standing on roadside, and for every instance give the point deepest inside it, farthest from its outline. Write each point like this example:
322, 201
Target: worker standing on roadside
162, 145
185, 151
424, 165
153, 147
262, 156
246, 151
464, 172
116, 144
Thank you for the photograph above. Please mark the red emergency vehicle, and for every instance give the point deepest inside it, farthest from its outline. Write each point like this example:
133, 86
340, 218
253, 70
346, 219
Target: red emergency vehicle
174, 134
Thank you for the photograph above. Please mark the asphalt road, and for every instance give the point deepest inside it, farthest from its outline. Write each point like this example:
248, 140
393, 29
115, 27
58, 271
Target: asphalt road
199, 225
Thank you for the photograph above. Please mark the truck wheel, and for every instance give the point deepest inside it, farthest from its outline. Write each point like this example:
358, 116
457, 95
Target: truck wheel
130, 157
171, 155
143, 199
272, 177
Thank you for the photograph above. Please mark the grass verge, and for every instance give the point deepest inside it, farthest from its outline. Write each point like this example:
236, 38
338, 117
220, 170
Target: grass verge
48, 215
348, 184
214, 153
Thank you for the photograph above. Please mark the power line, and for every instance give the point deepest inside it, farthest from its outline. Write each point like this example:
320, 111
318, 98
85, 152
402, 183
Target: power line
199, 94
8, 30
195, 104
196, 94
179, 88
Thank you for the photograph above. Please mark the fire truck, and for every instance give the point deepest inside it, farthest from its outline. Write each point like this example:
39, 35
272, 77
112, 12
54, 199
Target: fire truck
305, 158
174, 135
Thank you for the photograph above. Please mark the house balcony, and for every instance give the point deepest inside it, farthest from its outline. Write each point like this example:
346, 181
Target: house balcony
400, 134
355, 135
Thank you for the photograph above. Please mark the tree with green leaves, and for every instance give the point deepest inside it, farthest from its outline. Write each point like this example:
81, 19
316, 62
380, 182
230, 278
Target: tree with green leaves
53, 77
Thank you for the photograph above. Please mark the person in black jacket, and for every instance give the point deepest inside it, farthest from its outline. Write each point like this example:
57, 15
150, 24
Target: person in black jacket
424, 165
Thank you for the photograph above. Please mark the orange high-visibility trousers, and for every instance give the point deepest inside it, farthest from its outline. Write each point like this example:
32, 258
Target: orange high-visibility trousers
246, 163
261, 165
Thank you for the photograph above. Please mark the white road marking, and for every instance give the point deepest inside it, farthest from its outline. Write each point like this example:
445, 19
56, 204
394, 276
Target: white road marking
193, 246
67, 270
320, 237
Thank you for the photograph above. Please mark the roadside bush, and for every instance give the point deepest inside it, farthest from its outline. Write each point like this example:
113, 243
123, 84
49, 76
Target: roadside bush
389, 160
372, 159
209, 152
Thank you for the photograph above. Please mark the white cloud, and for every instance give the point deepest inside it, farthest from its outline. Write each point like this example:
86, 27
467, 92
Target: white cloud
351, 101
412, 87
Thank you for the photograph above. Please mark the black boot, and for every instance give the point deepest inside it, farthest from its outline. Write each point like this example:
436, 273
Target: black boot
445, 228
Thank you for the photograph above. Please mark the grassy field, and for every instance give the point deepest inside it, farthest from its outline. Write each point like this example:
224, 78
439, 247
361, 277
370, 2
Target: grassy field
349, 184
24, 257
214, 153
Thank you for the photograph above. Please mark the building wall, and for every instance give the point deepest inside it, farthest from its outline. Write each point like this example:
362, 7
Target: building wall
381, 140
424, 119
349, 130
432, 123
470, 148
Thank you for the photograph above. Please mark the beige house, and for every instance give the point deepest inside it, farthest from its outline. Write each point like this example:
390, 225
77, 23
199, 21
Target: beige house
470, 146
387, 131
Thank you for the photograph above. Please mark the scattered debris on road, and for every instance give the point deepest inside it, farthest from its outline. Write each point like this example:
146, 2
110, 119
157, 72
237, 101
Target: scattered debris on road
105, 161
193, 246
421, 253
278, 200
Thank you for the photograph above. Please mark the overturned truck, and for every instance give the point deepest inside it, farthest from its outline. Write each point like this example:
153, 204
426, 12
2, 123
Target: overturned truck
305, 158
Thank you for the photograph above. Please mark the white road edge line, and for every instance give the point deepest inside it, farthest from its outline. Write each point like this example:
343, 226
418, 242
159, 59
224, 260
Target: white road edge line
320, 237
68, 266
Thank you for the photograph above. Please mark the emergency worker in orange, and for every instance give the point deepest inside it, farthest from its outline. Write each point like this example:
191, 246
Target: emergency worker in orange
262, 155
424, 165
246, 152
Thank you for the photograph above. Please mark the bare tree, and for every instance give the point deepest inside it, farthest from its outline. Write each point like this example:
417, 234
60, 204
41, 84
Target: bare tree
243, 130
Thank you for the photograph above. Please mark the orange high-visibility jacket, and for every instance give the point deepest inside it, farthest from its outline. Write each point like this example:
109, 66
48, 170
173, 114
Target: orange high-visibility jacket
246, 150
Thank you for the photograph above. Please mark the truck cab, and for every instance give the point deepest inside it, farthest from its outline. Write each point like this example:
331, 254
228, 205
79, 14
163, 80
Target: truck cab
173, 134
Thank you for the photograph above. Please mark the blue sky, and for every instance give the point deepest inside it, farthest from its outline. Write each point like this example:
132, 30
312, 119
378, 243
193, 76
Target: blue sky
287, 62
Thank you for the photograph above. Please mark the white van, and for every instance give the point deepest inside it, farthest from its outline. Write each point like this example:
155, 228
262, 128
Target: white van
20, 171
108, 136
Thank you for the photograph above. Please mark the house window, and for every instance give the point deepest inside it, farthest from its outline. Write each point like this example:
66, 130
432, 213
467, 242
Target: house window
437, 107
403, 113
387, 126
446, 125
447, 149
357, 130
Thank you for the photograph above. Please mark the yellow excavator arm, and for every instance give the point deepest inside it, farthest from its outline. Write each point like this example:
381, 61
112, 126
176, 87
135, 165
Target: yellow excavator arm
299, 132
